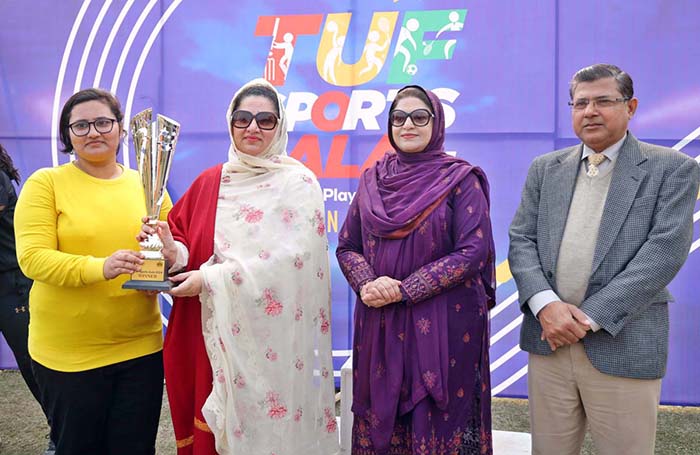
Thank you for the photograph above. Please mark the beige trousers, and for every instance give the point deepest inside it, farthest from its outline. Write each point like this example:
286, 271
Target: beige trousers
566, 391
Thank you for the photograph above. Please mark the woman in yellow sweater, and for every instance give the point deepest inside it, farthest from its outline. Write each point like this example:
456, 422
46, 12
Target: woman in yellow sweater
96, 348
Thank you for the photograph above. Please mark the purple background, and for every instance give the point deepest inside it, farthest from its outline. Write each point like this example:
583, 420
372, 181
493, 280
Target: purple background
511, 66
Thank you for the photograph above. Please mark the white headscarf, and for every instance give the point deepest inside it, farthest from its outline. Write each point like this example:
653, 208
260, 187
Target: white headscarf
275, 157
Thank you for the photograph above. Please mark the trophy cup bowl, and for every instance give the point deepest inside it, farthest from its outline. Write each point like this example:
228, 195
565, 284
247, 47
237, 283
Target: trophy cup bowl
154, 144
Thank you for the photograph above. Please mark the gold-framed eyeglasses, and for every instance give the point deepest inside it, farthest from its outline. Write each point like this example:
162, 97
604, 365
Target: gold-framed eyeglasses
601, 103
103, 125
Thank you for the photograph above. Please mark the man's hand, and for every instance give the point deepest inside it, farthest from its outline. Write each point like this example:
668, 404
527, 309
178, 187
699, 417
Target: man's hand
382, 291
562, 324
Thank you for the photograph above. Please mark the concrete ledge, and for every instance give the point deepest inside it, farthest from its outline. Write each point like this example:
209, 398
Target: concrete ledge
511, 443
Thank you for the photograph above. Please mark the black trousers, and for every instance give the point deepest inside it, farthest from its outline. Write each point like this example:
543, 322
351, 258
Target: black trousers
108, 411
14, 322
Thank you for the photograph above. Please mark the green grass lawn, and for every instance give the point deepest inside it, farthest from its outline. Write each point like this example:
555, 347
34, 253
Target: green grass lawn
23, 430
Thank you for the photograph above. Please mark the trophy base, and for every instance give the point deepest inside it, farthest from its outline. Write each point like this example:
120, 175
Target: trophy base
151, 277
142, 285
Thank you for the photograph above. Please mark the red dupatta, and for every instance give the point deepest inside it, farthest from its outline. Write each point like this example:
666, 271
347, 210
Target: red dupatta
188, 375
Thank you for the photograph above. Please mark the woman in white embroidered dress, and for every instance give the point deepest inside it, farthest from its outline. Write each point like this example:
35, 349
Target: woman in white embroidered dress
265, 297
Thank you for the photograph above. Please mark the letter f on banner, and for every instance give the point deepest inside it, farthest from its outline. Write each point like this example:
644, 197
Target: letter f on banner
413, 45
284, 31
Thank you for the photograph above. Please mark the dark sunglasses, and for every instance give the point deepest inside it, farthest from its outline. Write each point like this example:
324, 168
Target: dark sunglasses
419, 117
264, 120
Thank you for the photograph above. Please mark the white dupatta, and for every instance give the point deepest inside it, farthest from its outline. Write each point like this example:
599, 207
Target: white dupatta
266, 308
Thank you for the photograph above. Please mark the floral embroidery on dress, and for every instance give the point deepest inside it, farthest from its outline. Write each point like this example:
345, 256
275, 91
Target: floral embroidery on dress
372, 419
331, 423
299, 364
299, 260
298, 313
264, 255
297, 414
325, 323
357, 270
466, 338
235, 329
239, 381
423, 228
236, 277
468, 441
271, 355
220, 377
277, 409
318, 223
273, 307
289, 217
429, 379
380, 370
423, 325
251, 214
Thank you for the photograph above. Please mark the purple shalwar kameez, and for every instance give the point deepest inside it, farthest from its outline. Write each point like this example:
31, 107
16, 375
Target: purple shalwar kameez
421, 381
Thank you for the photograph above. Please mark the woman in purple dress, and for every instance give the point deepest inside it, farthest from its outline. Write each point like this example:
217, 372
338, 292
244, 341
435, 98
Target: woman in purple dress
417, 249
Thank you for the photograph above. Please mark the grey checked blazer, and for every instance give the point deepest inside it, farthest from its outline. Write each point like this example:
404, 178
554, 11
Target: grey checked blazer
645, 233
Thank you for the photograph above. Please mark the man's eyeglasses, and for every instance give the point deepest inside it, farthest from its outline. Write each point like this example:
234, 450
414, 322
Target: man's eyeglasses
601, 103
264, 120
102, 125
419, 117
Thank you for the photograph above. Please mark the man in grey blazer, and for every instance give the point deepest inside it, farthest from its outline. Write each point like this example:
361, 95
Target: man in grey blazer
601, 230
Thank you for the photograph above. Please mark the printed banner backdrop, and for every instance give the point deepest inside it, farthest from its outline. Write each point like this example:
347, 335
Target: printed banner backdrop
500, 67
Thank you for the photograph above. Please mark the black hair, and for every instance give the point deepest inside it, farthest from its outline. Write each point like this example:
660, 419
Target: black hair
257, 90
90, 94
413, 91
7, 166
602, 71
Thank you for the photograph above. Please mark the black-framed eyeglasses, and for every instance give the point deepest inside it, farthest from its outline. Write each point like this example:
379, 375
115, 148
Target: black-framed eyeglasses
103, 125
419, 117
264, 120
601, 103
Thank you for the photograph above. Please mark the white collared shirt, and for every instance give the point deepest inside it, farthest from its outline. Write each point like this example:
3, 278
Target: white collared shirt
611, 153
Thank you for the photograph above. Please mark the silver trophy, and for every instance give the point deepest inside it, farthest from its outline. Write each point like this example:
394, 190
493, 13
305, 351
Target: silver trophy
154, 144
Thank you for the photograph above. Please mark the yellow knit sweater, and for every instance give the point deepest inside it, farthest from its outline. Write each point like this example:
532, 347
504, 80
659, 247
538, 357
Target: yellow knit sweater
67, 223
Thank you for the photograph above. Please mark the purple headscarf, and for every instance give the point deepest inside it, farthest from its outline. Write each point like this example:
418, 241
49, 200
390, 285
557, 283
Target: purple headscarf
404, 187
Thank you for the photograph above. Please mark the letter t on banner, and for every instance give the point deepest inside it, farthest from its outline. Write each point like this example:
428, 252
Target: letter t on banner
284, 31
